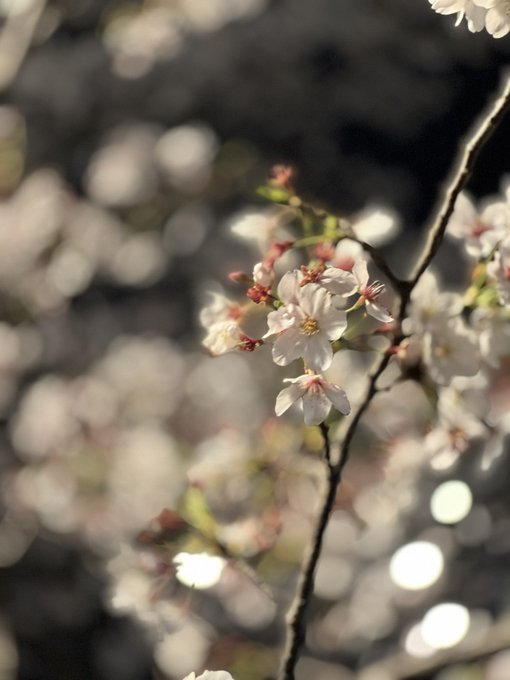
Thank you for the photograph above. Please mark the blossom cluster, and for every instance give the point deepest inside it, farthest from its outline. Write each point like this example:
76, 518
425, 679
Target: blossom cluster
312, 310
321, 308
493, 15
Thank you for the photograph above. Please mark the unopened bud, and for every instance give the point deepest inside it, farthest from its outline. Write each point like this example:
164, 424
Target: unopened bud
263, 275
325, 251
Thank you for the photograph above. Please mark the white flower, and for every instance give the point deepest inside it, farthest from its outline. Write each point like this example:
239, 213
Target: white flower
223, 337
370, 293
479, 232
219, 309
449, 351
317, 396
210, 675
499, 268
470, 9
430, 307
305, 325
493, 15
497, 19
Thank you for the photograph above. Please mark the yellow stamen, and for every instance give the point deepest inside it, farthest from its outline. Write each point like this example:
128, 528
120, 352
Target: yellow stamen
309, 326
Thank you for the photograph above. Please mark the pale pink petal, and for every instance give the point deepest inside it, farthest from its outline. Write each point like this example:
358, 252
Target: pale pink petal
333, 324
289, 288
337, 397
378, 312
339, 281
287, 397
288, 346
314, 299
280, 320
360, 271
316, 406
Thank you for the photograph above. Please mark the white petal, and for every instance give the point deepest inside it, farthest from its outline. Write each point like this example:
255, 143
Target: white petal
378, 312
280, 320
496, 23
333, 324
314, 299
339, 281
337, 397
287, 397
318, 352
316, 407
287, 347
360, 271
289, 288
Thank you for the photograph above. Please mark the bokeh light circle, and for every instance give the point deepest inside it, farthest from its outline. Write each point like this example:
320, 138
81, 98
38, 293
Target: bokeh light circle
416, 565
445, 625
451, 502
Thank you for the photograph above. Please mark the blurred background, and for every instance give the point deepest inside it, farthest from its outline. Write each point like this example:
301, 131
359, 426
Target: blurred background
133, 135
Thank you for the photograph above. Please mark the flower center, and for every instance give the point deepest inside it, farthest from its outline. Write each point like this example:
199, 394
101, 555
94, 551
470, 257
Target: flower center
373, 291
478, 229
442, 351
309, 326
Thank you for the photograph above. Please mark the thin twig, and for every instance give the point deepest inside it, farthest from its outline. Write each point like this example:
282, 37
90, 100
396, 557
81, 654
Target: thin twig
327, 443
296, 618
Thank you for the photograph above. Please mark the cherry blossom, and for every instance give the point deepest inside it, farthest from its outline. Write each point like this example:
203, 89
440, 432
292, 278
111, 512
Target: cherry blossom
449, 351
469, 9
305, 325
223, 337
317, 396
497, 19
493, 15
479, 232
219, 309
431, 307
370, 293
